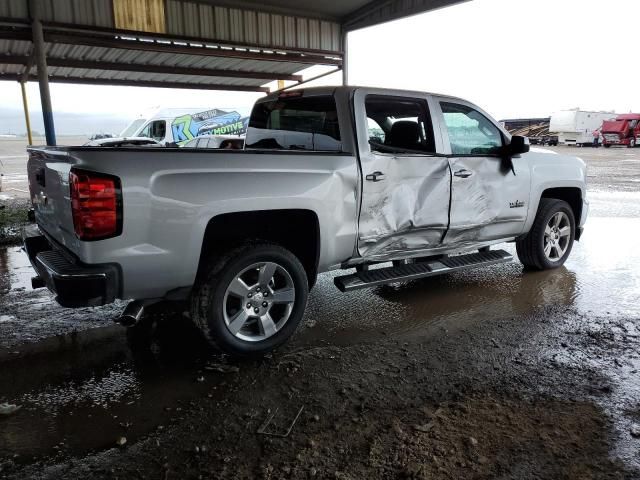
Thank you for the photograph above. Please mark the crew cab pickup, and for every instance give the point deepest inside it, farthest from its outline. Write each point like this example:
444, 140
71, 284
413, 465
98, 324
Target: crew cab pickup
387, 185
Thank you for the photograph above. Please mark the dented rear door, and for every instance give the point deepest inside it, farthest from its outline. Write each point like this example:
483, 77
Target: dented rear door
405, 194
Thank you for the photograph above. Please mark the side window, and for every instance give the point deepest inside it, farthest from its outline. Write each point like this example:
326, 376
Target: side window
399, 124
470, 132
295, 122
375, 131
158, 130
155, 130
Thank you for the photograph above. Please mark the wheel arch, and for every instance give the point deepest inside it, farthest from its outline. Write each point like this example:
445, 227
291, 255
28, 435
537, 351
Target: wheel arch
571, 195
297, 230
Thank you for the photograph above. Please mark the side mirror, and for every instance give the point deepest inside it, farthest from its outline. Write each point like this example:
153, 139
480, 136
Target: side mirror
518, 145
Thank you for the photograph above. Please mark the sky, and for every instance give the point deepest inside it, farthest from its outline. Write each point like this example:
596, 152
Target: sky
514, 58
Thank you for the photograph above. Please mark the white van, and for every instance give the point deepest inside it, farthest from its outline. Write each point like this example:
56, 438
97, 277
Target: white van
179, 125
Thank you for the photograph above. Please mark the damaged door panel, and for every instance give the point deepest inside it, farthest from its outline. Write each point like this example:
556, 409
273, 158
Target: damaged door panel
406, 186
489, 195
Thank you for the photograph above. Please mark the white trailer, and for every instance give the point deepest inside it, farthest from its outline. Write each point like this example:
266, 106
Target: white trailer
575, 127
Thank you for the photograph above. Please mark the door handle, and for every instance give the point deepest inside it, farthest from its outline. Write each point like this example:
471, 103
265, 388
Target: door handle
463, 173
375, 177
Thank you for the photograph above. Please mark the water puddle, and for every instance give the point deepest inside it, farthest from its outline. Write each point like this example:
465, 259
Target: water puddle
15, 270
92, 391
600, 278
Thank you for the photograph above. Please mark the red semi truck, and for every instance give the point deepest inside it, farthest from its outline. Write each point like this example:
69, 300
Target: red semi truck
624, 130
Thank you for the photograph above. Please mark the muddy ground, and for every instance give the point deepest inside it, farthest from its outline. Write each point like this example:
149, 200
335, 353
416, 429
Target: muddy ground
493, 373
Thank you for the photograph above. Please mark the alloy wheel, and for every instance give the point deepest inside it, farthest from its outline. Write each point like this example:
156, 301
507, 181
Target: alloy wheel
258, 301
557, 236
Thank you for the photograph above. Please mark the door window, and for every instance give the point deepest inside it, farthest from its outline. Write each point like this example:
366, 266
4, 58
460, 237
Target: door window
155, 130
470, 132
404, 124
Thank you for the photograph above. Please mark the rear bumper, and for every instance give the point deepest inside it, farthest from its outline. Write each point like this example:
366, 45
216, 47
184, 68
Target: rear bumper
75, 284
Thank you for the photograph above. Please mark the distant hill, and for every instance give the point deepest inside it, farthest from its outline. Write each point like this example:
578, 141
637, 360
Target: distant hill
12, 122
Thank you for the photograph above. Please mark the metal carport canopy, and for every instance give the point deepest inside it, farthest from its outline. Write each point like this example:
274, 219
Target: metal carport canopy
200, 44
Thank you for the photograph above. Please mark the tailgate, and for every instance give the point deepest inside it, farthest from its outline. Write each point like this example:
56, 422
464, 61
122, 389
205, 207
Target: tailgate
48, 170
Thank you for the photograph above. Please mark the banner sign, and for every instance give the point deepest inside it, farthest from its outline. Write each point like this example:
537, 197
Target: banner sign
211, 122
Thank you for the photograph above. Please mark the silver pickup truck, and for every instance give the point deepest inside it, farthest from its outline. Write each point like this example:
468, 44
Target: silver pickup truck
397, 185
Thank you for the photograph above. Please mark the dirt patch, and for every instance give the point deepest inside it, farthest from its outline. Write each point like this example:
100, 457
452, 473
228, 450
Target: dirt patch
477, 437
486, 400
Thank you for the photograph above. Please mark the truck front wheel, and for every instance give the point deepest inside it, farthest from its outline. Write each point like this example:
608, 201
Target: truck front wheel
549, 242
251, 299
632, 143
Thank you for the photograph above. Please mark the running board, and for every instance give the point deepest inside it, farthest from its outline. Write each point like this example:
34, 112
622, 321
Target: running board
413, 271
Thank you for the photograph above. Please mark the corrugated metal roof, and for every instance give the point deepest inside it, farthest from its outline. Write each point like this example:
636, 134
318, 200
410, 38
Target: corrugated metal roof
79, 54
14, 47
185, 18
219, 43
95, 13
377, 12
61, 72
87, 53
14, 9
10, 69
267, 22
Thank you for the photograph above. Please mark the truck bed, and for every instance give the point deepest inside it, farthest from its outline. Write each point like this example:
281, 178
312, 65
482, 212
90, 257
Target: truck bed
169, 195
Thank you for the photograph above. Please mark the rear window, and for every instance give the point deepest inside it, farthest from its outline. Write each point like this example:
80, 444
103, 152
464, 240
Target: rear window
295, 123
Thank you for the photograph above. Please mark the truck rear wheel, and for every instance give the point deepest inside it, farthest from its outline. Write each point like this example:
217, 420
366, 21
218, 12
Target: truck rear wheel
549, 242
251, 299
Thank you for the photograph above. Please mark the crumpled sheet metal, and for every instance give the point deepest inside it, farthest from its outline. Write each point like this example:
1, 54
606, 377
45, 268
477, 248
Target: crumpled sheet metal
415, 202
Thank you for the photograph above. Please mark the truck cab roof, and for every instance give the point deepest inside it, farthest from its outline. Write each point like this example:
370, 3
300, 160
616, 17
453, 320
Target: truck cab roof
315, 91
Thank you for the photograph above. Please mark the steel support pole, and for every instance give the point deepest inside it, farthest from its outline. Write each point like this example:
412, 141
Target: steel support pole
25, 105
345, 57
43, 78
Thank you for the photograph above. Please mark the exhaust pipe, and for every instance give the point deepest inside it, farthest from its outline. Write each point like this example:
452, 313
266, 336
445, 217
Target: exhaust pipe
132, 314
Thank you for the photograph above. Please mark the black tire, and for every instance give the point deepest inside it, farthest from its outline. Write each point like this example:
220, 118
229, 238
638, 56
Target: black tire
607, 145
207, 301
632, 143
531, 248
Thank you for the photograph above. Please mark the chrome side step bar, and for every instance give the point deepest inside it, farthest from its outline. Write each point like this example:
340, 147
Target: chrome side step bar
413, 271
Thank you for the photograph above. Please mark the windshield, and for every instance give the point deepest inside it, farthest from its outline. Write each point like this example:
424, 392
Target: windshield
295, 123
133, 128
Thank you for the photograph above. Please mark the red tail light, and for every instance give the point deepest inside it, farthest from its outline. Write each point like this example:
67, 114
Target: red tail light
96, 204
